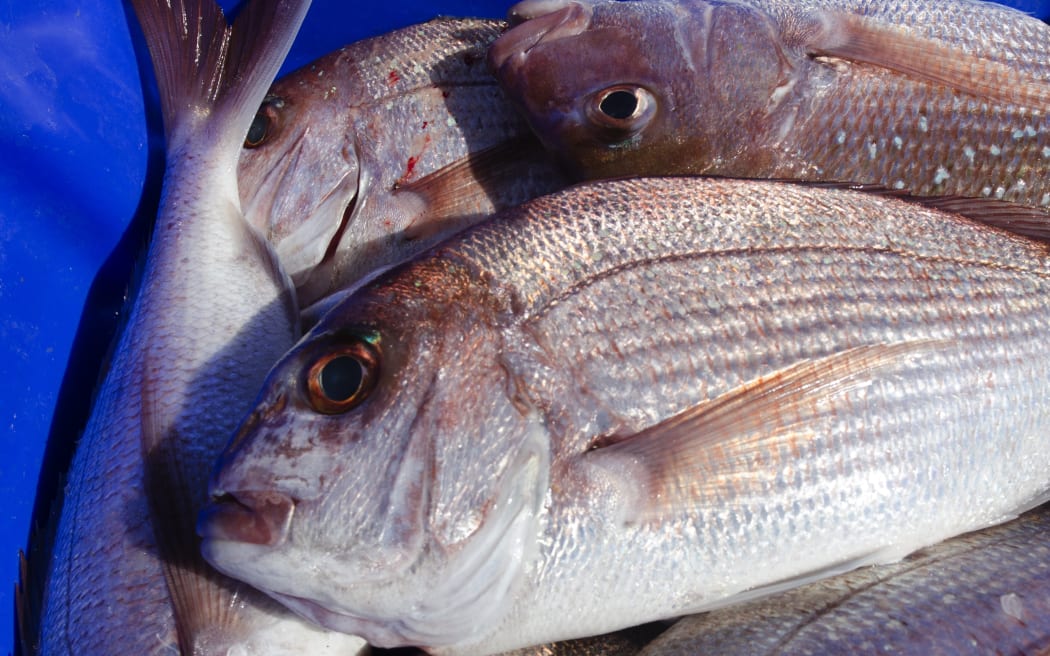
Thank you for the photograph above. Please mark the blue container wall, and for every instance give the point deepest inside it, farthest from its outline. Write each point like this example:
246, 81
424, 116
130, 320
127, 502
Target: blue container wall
74, 148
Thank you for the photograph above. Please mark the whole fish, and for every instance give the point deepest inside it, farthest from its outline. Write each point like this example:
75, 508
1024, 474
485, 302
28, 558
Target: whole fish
983, 593
213, 312
935, 100
635, 400
375, 152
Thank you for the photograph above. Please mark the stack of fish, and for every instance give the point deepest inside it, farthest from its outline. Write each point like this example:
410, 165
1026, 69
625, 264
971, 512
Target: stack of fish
622, 402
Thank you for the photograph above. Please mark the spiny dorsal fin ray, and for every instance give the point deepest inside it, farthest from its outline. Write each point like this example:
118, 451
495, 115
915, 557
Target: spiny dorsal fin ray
860, 39
707, 446
205, 67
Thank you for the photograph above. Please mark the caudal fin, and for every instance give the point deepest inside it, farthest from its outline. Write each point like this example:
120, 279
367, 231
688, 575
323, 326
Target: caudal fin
209, 71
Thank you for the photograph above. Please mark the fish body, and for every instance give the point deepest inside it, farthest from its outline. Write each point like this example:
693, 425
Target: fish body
212, 313
378, 150
930, 99
635, 400
986, 592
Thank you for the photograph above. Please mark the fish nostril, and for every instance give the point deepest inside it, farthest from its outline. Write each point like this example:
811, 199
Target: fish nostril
260, 518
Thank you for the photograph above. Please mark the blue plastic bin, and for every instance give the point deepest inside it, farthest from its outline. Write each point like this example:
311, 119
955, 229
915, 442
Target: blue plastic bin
73, 162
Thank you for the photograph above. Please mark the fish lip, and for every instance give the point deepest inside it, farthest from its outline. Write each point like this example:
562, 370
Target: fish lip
249, 517
513, 46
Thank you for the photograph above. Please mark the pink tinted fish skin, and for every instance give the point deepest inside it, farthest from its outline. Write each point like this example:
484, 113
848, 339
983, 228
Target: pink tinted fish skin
828, 90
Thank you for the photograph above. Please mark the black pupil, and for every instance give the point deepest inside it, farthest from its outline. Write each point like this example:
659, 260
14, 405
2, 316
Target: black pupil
341, 378
619, 104
257, 131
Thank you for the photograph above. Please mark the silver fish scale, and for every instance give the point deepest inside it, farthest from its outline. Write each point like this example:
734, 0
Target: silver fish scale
997, 152
612, 334
980, 593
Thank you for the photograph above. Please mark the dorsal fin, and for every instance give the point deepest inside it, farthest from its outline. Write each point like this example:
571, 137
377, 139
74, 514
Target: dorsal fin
856, 38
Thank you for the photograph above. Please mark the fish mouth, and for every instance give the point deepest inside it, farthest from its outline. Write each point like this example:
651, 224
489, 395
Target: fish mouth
453, 599
257, 518
538, 21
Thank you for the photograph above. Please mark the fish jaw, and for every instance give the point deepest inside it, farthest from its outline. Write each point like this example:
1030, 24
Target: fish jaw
475, 589
361, 521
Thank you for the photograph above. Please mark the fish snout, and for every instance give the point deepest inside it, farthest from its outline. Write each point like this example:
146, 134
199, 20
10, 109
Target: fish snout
538, 21
259, 518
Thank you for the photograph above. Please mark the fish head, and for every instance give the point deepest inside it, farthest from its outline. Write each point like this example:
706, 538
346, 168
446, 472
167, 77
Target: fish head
642, 88
389, 483
377, 151
299, 171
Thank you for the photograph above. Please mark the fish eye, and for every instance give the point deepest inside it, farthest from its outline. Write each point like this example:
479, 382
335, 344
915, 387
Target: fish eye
265, 122
621, 111
619, 104
342, 378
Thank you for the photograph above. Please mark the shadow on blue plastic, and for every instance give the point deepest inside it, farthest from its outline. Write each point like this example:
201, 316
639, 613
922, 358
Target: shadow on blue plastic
73, 163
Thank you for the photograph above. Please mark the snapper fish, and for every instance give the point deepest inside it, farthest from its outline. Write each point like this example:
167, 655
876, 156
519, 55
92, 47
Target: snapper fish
943, 100
635, 400
213, 311
378, 150
982, 593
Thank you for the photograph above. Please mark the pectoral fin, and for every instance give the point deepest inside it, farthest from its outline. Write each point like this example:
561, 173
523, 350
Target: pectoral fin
864, 40
732, 440
454, 195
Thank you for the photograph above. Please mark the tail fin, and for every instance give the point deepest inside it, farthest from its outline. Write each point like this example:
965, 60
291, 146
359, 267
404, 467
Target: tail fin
205, 67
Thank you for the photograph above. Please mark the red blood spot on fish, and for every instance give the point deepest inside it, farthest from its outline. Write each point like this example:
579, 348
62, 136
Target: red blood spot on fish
393, 78
425, 124
410, 165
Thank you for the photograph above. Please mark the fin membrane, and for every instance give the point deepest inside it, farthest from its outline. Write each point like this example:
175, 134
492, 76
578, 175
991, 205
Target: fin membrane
452, 195
860, 39
721, 442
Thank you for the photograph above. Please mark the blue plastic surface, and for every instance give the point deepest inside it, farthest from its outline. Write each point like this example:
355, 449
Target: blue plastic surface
73, 160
